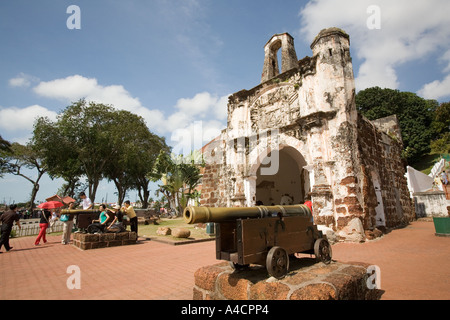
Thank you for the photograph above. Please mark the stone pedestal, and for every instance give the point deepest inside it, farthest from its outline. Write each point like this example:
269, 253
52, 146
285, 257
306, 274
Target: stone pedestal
307, 280
86, 241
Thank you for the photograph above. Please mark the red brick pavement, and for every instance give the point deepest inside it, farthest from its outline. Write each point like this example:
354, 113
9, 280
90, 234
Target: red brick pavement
414, 264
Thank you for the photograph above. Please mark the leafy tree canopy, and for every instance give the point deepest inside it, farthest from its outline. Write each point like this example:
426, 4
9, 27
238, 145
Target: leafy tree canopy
415, 116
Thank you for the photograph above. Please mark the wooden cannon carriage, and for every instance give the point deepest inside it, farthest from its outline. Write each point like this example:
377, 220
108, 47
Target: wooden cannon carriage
264, 235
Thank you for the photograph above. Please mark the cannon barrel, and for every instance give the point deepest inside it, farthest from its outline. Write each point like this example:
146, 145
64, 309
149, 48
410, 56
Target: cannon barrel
219, 214
76, 211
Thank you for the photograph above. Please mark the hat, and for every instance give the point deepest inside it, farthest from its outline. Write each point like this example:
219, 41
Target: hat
117, 207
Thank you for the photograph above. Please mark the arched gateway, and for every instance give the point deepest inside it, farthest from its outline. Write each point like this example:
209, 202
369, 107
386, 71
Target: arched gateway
298, 135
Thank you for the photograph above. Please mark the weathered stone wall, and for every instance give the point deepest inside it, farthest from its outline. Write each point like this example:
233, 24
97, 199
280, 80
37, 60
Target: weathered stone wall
308, 115
430, 204
382, 163
313, 281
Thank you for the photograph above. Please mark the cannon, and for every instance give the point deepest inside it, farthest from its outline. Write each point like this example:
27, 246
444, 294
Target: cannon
264, 235
83, 217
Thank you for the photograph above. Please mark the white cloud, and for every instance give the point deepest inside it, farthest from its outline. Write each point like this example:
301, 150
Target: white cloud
204, 106
201, 106
197, 105
409, 31
22, 80
19, 121
436, 89
446, 59
197, 121
76, 87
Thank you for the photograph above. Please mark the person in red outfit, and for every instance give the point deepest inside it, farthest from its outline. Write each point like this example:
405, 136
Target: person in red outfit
43, 224
309, 204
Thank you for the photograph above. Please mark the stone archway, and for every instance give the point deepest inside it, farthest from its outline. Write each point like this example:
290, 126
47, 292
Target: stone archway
288, 184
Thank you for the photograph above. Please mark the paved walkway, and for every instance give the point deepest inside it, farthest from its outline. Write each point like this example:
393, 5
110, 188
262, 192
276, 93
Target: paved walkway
414, 264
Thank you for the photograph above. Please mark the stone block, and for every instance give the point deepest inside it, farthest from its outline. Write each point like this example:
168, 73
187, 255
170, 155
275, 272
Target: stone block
198, 295
306, 280
233, 287
269, 291
97, 241
86, 237
128, 242
106, 236
115, 243
85, 245
181, 233
205, 276
122, 236
132, 235
163, 231
98, 244
315, 291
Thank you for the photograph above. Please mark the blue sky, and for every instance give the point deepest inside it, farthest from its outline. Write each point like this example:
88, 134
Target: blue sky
175, 62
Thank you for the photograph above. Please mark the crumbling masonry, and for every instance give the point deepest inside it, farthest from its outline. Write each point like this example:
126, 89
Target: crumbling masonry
298, 135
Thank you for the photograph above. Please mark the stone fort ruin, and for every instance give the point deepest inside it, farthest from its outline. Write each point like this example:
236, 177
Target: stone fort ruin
297, 135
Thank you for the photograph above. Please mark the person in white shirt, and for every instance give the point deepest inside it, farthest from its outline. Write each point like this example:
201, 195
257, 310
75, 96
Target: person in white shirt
86, 202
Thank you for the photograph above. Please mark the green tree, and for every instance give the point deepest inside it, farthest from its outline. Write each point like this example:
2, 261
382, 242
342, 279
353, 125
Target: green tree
96, 141
441, 126
414, 113
179, 176
5, 148
135, 151
58, 153
87, 129
26, 157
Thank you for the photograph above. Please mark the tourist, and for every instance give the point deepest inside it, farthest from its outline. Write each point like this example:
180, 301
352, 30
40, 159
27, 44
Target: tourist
7, 219
86, 205
103, 219
128, 209
309, 204
68, 225
53, 220
116, 224
43, 224
444, 178
85, 201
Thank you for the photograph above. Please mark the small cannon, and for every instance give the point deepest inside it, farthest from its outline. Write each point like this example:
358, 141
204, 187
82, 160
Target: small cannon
84, 217
264, 235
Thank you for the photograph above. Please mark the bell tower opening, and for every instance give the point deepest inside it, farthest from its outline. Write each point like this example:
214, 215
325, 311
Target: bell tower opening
287, 59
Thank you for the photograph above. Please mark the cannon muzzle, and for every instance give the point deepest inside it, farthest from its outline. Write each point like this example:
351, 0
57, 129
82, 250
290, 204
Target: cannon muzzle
78, 211
206, 214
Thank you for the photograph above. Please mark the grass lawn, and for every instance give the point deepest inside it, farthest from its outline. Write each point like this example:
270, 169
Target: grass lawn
150, 230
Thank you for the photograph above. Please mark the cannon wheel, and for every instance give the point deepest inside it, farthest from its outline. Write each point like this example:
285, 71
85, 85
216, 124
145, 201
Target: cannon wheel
277, 262
322, 250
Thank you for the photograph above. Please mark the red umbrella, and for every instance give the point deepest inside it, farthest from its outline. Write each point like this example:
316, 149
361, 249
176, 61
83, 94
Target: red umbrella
50, 205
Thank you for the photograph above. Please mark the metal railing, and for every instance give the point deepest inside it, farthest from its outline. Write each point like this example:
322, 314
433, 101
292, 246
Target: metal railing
34, 229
